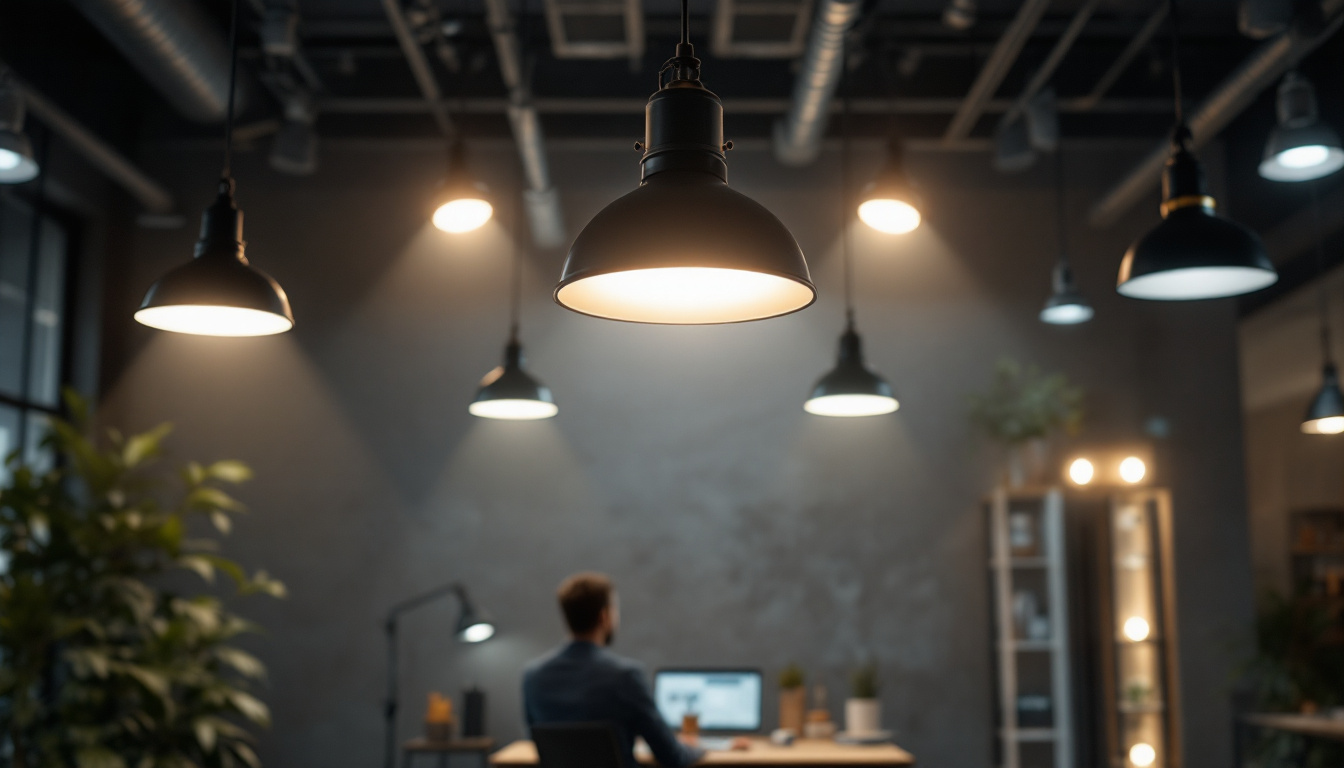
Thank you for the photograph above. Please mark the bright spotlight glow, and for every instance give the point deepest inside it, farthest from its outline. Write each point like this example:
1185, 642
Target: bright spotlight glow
478, 633
1136, 628
463, 215
513, 410
1067, 314
202, 320
1132, 469
1081, 471
849, 406
1330, 425
895, 217
685, 295
1197, 283
1142, 755
1304, 157
9, 159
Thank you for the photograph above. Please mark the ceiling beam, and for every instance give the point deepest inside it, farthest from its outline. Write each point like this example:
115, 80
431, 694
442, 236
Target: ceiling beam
995, 69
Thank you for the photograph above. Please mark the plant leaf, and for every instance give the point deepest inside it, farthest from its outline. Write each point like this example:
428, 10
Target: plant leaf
221, 522
245, 663
98, 757
229, 471
250, 707
200, 564
205, 734
144, 446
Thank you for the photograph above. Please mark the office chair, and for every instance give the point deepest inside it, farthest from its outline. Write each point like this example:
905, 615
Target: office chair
577, 745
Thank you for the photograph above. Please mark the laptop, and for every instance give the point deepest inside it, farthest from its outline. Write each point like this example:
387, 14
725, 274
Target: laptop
728, 702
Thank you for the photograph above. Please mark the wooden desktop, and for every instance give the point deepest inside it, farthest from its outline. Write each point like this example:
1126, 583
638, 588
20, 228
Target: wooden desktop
805, 753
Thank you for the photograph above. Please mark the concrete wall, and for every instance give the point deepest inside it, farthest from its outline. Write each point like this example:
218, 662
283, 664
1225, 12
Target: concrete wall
740, 529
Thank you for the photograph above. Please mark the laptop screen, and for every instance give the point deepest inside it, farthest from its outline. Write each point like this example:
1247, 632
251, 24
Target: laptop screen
725, 699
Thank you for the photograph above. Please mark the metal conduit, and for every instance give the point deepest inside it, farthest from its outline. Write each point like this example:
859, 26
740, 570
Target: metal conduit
797, 138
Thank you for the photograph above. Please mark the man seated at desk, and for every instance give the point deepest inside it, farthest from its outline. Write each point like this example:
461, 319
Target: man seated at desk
582, 681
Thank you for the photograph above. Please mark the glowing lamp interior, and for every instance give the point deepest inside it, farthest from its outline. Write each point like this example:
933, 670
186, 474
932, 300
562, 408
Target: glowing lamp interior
1142, 755
685, 295
895, 217
1136, 628
513, 410
849, 406
1081, 471
1197, 283
1132, 469
1331, 425
463, 215
203, 320
478, 633
1067, 314
9, 159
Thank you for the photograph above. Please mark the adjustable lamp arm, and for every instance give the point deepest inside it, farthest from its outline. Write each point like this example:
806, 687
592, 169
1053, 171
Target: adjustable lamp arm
390, 630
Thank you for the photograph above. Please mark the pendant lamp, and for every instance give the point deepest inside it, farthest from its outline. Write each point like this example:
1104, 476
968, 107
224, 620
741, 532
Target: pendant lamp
218, 293
508, 392
1325, 415
1192, 254
684, 248
1300, 147
17, 162
850, 389
1066, 305
461, 204
889, 204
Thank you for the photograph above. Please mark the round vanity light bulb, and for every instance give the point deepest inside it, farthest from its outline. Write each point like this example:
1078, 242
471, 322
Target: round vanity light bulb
1132, 469
895, 217
1081, 471
1136, 628
1142, 754
463, 215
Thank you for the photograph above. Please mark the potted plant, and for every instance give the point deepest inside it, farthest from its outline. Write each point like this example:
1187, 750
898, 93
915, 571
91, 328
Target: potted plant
111, 658
863, 711
1021, 410
792, 699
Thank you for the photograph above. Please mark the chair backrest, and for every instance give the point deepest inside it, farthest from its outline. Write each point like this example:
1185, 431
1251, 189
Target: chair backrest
577, 745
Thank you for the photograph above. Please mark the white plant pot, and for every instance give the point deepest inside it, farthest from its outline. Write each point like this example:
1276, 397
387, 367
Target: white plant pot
863, 717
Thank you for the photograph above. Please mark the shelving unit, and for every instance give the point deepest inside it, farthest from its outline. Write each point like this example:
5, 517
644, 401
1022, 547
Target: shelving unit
1027, 570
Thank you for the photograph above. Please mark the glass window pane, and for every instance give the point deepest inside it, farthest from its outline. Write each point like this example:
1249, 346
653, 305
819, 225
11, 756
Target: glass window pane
44, 380
15, 248
36, 454
9, 437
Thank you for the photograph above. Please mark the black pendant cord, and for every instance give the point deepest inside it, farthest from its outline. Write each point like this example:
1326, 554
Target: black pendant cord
1178, 92
685, 22
847, 258
1063, 230
227, 174
1323, 296
516, 281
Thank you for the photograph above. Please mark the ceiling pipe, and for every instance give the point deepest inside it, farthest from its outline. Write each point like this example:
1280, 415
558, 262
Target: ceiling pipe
540, 199
1264, 67
419, 64
175, 46
152, 196
996, 68
797, 138
1052, 62
1136, 46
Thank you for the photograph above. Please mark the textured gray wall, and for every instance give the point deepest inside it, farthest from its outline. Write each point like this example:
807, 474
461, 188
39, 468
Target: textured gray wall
739, 529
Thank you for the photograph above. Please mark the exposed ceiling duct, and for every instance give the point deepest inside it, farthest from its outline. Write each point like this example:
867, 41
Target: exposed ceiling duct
996, 68
797, 138
175, 46
1260, 70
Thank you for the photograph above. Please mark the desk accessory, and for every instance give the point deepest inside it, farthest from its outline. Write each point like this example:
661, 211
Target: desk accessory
863, 710
439, 718
473, 712
792, 699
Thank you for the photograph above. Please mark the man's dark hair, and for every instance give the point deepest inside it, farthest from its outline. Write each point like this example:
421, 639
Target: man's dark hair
582, 598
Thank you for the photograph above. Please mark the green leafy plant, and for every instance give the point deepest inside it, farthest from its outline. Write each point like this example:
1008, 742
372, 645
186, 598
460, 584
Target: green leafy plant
791, 678
110, 659
1023, 404
863, 682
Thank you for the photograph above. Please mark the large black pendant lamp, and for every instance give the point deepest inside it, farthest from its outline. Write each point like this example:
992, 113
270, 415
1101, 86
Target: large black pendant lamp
1325, 415
508, 392
850, 389
1066, 305
1192, 254
684, 248
218, 293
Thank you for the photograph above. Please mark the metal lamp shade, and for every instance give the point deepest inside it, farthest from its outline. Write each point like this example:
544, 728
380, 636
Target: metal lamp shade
510, 393
850, 389
1326, 414
16, 158
1066, 305
684, 248
473, 626
890, 204
1302, 153
1193, 254
462, 204
218, 293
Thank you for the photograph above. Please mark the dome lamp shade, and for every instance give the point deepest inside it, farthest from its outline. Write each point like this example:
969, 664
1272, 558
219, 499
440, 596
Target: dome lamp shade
1325, 416
890, 204
218, 293
1301, 147
473, 625
684, 248
1066, 305
17, 162
1193, 254
850, 389
462, 204
508, 392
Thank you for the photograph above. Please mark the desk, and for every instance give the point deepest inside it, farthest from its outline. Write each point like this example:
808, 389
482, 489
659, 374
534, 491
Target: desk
480, 745
805, 753
1310, 725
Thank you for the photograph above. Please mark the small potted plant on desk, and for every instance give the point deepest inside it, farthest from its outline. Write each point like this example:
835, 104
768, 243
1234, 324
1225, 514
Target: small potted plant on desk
792, 699
863, 711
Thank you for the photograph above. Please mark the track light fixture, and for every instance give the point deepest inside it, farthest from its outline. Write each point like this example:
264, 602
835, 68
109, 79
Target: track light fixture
17, 162
1066, 305
1300, 147
218, 293
1192, 254
461, 204
684, 248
